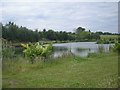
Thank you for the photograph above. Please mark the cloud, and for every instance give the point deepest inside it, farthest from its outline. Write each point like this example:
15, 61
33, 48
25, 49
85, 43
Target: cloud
62, 16
59, 0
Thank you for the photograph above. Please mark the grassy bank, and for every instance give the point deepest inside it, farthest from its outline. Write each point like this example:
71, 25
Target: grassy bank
96, 70
109, 36
107, 39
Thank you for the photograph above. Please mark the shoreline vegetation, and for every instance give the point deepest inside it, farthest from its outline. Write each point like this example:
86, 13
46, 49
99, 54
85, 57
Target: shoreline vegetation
108, 39
105, 39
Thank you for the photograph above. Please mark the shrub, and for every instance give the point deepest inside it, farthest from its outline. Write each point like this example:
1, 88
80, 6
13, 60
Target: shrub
116, 47
105, 41
36, 50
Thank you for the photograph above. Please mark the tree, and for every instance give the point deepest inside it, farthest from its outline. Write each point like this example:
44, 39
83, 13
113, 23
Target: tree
50, 35
79, 29
81, 33
14, 33
95, 36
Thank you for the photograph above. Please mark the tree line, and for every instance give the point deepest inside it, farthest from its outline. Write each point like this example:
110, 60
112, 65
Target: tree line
15, 33
107, 33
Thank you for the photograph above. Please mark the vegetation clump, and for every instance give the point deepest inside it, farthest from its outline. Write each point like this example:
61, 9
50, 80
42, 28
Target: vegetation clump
82, 35
105, 41
7, 51
36, 50
116, 47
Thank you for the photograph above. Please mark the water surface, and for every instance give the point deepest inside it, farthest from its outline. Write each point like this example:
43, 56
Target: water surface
78, 48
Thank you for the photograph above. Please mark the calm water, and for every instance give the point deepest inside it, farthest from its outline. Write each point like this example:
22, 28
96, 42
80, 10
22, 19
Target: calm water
78, 48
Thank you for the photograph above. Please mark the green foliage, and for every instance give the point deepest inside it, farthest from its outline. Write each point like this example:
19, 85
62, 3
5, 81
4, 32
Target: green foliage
82, 35
7, 51
4, 43
114, 37
79, 59
14, 33
105, 41
116, 47
110, 48
36, 50
101, 49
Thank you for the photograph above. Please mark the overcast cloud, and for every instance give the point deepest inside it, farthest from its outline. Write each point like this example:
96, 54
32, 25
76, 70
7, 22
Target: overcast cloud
65, 16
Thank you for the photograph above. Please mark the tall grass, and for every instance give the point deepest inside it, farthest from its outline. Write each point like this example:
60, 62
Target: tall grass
7, 51
101, 49
20, 64
107, 39
109, 36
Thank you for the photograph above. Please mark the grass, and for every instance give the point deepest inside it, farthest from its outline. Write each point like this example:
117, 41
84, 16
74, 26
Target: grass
109, 36
107, 39
97, 70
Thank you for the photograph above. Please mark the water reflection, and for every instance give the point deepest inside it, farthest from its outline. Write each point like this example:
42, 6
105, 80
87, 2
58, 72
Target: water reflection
59, 50
78, 48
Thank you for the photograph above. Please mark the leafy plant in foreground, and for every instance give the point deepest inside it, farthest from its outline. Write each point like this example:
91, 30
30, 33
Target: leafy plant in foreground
116, 47
36, 50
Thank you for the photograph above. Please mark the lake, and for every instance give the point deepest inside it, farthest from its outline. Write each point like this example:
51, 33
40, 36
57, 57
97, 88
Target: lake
78, 48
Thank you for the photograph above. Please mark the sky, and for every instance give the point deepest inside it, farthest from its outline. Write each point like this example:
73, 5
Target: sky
62, 16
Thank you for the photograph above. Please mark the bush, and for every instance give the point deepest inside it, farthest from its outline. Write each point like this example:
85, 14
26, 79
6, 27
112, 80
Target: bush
116, 47
36, 50
105, 41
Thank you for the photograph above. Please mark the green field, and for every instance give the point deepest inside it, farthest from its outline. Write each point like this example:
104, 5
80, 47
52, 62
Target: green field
97, 70
109, 36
